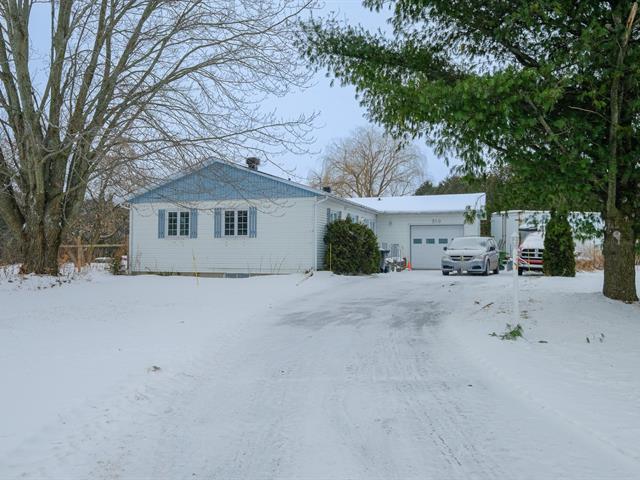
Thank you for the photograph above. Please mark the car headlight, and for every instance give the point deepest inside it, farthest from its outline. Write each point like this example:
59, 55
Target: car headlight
479, 257
446, 257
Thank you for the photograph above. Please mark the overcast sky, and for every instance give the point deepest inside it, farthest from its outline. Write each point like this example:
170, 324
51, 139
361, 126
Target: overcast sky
338, 109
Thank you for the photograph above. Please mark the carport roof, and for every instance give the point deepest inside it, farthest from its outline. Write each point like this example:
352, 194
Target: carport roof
424, 203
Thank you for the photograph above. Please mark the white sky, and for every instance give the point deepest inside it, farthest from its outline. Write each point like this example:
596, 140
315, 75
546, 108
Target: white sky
338, 111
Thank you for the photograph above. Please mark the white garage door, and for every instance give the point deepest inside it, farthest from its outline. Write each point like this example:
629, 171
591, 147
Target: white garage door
428, 242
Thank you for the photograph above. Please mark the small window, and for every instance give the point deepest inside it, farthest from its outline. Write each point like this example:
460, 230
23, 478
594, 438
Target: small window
184, 224
229, 223
430, 241
443, 241
178, 224
417, 241
335, 216
243, 222
236, 222
172, 227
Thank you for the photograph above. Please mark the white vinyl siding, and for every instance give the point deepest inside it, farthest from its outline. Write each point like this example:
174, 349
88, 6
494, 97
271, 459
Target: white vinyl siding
284, 242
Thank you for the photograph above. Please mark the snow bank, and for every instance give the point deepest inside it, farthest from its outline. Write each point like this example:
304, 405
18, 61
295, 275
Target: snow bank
579, 358
69, 343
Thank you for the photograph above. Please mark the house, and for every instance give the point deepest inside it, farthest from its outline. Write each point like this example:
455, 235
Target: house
233, 220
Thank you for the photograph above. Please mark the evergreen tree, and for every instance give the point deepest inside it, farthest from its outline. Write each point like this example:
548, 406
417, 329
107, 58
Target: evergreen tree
351, 248
546, 90
559, 258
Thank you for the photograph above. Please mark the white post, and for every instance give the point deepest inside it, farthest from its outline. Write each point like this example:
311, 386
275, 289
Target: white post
515, 241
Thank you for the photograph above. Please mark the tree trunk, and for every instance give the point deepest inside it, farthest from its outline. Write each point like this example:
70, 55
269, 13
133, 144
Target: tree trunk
40, 245
619, 259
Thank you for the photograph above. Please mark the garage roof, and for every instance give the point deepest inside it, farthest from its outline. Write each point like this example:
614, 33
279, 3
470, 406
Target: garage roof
424, 203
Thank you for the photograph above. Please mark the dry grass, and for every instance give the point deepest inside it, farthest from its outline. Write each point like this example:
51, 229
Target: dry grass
590, 260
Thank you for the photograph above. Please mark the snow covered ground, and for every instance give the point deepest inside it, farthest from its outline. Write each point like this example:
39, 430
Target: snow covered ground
392, 376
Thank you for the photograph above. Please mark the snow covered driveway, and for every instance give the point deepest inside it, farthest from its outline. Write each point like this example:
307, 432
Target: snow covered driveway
327, 378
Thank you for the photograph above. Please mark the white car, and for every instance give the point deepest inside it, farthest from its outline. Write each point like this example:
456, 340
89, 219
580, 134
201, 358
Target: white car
471, 255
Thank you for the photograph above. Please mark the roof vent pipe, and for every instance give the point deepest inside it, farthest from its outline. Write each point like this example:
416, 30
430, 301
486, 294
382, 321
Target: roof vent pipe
253, 163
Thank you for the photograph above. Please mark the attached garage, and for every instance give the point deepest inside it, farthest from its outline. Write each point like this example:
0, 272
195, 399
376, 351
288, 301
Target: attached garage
428, 241
419, 227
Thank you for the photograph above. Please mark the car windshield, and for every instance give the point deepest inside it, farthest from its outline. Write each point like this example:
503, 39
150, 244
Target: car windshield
468, 243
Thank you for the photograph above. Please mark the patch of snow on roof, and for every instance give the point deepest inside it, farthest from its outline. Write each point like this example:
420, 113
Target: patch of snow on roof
424, 203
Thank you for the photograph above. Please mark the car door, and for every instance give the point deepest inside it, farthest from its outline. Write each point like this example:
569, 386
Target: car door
494, 257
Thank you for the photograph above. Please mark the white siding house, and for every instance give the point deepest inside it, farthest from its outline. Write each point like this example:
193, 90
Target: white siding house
228, 219
419, 227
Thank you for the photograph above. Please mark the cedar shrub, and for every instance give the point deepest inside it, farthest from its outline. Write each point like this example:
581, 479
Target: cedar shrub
353, 248
559, 258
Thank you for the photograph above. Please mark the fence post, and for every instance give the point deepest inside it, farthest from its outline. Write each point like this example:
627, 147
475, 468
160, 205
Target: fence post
79, 258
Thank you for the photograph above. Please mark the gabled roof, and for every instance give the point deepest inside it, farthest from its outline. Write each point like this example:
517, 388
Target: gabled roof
218, 180
424, 203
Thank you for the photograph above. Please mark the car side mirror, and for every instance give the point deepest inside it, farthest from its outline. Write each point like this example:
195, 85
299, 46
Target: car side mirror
492, 248
445, 248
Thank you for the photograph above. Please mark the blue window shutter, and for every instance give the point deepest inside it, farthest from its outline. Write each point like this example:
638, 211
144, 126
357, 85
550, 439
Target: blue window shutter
217, 222
328, 216
161, 215
340, 215
193, 223
253, 222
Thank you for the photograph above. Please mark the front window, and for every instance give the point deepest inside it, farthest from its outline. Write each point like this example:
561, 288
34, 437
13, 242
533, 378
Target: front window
184, 224
229, 223
243, 222
236, 222
178, 224
172, 227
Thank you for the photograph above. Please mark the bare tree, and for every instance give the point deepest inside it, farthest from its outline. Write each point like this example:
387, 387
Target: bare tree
175, 81
103, 217
369, 163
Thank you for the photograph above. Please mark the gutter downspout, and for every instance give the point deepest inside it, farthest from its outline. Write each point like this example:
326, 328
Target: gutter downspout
315, 231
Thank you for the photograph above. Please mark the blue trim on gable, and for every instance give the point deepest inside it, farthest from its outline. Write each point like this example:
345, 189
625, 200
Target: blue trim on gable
220, 181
